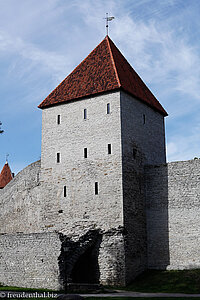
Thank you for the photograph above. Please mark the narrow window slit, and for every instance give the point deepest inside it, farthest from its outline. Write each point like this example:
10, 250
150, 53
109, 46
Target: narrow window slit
144, 119
58, 157
85, 114
58, 119
65, 191
108, 108
109, 148
96, 188
85, 152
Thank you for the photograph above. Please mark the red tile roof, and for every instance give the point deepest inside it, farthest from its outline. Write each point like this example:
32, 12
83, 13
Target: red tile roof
104, 69
5, 176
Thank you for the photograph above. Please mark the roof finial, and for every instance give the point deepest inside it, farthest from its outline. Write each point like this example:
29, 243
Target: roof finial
107, 18
7, 158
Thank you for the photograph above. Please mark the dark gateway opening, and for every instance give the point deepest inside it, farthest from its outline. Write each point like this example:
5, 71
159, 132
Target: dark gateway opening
86, 269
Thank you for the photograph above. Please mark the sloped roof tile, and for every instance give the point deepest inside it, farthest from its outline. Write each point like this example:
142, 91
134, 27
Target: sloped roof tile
104, 69
5, 176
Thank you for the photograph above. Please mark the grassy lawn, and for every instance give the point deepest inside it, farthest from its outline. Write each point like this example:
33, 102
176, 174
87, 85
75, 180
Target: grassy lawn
153, 281
20, 289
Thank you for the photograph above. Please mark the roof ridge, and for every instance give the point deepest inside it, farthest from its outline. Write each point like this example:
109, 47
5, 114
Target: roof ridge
113, 61
104, 69
39, 106
84, 59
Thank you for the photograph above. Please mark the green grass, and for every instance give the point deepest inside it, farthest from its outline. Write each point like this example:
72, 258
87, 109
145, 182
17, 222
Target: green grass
21, 289
153, 281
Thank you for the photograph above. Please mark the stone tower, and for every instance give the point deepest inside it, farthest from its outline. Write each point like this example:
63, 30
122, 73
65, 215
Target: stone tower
100, 126
101, 205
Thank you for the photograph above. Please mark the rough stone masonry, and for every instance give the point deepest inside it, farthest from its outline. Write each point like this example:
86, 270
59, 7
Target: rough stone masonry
102, 205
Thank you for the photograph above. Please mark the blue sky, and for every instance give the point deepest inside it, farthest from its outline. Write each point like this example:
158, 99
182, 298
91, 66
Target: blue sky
41, 42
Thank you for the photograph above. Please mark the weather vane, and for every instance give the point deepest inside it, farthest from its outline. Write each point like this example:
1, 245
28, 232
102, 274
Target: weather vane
7, 157
107, 18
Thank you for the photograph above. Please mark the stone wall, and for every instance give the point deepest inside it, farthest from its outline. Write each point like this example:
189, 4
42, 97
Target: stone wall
30, 260
143, 141
142, 128
20, 202
51, 260
173, 215
81, 209
51, 212
32, 196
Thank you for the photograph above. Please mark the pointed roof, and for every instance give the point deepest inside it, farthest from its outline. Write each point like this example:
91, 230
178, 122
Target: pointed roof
5, 176
104, 69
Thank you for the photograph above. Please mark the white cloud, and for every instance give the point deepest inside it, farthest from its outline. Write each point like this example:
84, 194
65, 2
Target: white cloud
184, 146
172, 149
161, 55
55, 63
42, 41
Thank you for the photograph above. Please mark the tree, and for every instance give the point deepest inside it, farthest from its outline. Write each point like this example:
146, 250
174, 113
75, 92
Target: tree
1, 131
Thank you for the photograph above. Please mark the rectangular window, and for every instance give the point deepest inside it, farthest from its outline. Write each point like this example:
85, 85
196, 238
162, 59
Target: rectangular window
85, 152
96, 188
144, 119
58, 119
65, 191
108, 108
58, 157
109, 148
85, 114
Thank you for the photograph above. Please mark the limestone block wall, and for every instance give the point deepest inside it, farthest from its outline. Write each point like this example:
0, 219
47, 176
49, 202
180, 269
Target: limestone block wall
80, 209
68, 186
30, 260
20, 203
39, 260
173, 215
142, 128
143, 141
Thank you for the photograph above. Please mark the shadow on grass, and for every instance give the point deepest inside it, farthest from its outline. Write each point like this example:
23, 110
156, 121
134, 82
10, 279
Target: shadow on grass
153, 281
